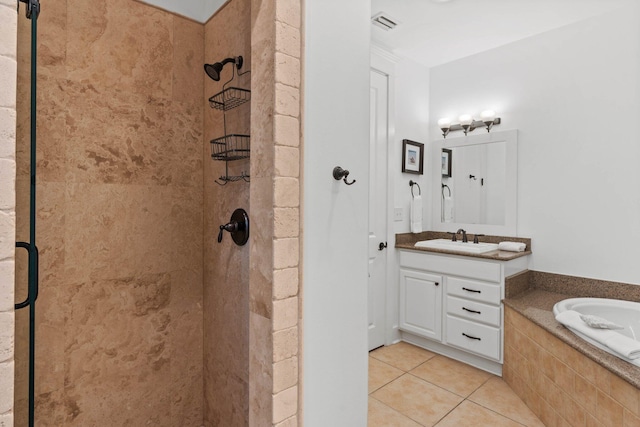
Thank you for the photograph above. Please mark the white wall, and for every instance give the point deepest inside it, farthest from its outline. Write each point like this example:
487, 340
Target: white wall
574, 95
411, 122
8, 49
335, 239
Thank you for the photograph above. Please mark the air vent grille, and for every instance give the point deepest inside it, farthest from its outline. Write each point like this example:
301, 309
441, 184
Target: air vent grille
384, 21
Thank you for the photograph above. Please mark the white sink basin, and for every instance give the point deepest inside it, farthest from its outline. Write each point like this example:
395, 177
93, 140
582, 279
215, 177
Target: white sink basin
465, 247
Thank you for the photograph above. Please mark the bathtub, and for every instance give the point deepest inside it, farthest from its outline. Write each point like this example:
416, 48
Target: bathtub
623, 313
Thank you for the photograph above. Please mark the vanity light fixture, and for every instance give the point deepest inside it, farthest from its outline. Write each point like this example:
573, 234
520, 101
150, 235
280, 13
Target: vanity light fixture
445, 125
467, 123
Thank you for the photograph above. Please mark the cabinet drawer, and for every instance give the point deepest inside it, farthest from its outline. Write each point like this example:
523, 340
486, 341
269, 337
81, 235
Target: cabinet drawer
481, 339
471, 289
475, 311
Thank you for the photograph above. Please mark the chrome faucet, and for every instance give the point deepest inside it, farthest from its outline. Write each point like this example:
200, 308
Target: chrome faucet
464, 235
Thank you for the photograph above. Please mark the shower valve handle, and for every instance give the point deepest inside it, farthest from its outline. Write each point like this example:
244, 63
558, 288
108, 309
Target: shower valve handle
238, 227
230, 227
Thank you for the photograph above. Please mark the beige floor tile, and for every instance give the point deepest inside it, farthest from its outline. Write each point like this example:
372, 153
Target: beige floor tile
471, 414
452, 375
381, 374
402, 355
421, 401
380, 415
496, 395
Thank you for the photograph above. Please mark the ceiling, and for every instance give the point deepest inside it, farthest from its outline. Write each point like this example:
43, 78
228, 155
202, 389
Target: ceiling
434, 32
198, 10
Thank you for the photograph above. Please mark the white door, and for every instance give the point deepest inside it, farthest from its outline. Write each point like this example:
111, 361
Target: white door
378, 208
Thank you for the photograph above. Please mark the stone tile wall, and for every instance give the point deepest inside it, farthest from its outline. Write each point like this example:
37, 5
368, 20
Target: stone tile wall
560, 385
275, 343
226, 265
8, 52
120, 224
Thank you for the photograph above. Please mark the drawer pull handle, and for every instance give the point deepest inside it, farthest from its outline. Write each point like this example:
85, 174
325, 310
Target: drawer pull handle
471, 311
473, 338
437, 283
472, 290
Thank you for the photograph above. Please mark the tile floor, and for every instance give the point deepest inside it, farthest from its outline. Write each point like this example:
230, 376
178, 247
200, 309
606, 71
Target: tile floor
412, 387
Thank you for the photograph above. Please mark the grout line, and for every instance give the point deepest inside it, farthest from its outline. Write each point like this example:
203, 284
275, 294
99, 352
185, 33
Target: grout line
447, 414
464, 399
498, 413
395, 410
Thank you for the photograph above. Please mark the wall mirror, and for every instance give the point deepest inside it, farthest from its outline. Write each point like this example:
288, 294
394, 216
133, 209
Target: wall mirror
476, 183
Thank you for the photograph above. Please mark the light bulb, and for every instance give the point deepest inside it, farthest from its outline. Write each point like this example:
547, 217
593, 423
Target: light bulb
465, 119
444, 123
488, 115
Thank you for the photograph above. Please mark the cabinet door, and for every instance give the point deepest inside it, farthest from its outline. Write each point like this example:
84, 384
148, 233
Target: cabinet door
421, 304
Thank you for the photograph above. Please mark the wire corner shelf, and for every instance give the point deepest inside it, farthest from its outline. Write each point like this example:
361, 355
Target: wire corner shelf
229, 98
231, 147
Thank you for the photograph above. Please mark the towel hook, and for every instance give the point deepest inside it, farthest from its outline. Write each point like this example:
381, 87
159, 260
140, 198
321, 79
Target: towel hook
339, 173
411, 184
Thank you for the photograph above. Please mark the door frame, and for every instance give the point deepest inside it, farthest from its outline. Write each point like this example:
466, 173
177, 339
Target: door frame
385, 63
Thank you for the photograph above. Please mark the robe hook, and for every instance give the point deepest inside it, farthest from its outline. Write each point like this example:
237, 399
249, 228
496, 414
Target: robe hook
339, 173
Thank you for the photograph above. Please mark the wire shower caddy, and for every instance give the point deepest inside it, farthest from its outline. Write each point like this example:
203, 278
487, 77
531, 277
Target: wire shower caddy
232, 146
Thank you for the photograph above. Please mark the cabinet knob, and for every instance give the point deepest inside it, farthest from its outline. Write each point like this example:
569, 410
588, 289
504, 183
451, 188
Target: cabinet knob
437, 283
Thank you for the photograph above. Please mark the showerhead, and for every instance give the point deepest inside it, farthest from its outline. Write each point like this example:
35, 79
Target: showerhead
213, 70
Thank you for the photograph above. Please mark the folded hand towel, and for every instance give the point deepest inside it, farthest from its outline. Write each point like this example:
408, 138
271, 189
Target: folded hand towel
624, 346
512, 246
447, 206
416, 214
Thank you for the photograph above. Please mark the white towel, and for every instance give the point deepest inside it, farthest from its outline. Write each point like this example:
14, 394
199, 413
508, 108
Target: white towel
447, 206
416, 214
623, 345
512, 246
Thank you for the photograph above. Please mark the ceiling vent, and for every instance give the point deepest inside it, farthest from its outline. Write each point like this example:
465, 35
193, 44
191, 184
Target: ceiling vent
384, 21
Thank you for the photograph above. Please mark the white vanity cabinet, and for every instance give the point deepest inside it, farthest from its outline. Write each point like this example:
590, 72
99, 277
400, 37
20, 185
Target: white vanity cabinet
421, 303
451, 304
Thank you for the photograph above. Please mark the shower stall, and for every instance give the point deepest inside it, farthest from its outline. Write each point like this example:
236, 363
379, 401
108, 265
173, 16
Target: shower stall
142, 316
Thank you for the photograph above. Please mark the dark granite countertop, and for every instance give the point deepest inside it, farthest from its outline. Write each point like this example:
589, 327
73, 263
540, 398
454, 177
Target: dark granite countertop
537, 306
408, 240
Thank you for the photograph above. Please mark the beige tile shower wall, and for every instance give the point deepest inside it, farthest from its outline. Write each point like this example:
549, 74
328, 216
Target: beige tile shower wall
119, 316
560, 385
226, 265
275, 201
8, 50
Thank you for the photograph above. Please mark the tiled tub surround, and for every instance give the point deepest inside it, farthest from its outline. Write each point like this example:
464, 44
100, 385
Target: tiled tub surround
562, 378
408, 240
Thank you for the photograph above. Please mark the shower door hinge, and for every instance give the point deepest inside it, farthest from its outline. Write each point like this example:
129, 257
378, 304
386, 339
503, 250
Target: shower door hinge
32, 6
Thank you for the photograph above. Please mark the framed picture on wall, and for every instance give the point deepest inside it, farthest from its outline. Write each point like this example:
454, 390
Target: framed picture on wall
446, 162
412, 157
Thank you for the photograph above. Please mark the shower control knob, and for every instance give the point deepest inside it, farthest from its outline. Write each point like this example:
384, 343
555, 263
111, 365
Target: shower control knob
238, 226
230, 227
